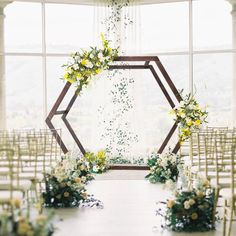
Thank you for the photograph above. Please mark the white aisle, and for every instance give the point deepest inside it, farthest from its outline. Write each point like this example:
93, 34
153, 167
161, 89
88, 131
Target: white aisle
129, 209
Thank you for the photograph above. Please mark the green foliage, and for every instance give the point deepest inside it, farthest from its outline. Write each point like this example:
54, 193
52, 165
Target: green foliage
66, 193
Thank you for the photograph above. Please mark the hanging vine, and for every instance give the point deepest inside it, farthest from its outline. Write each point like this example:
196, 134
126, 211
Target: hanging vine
117, 129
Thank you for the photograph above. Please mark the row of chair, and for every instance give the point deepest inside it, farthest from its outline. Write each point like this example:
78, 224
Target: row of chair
24, 156
212, 154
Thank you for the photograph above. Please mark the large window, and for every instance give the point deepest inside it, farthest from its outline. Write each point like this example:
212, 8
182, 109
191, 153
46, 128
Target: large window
193, 39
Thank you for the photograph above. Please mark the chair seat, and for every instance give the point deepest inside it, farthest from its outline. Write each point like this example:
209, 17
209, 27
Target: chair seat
32, 169
5, 196
223, 183
23, 185
226, 193
38, 177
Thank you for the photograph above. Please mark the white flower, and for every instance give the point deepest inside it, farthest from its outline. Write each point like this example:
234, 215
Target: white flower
186, 205
191, 106
102, 59
100, 55
89, 64
75, 67
83, 178
91, 56
181, 103
95, 169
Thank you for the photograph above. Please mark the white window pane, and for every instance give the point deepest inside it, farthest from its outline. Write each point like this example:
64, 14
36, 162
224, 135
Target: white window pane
213, 84
55, 84
212, 24
178, 69
24, 92
23, 27
164, 27
68, 27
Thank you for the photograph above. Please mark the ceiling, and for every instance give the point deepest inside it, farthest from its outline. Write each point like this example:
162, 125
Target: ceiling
93, 2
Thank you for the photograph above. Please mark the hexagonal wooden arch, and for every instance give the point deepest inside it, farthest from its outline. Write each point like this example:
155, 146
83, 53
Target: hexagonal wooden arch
146, 65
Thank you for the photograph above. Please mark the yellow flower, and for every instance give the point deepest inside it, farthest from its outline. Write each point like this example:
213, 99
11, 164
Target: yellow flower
84, 62
98, 71
15, 203
200, 194
109, 50
23, 228
66, 194
66, 76
78, 75
170, 203
85, 195
21, 219
194, 216
206, 183
101, 154
77, 180
197, 122
189, 122
30, 233
191, 202
41, 219
172, 112
69, 78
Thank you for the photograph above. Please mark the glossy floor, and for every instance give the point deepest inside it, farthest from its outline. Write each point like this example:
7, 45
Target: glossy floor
129, 209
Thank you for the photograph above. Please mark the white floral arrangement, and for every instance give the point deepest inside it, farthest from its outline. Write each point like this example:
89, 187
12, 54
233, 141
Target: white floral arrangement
192, 209
164, 167
65, 185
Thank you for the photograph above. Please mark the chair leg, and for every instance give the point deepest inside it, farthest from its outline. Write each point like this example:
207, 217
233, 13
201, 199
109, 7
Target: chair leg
224, 218
217, 193
231, 216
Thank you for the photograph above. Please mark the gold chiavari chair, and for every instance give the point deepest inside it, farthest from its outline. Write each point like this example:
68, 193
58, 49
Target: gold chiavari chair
9, 187
229, 194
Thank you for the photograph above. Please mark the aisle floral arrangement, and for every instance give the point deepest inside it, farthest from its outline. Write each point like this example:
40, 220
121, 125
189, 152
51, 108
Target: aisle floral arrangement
98, 163
163, 167
18, 223
191, 210
65, 185
86, 64
189, 116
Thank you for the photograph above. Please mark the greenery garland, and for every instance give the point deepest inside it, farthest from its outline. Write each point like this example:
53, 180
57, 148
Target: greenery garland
116, 126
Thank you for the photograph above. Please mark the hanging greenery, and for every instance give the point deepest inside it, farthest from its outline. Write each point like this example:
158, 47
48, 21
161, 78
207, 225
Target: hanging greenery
116, 126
